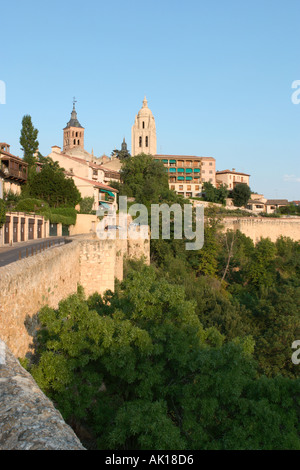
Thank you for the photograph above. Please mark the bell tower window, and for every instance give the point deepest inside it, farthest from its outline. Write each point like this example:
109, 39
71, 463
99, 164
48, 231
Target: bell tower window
147, 141
143, 125
140, 141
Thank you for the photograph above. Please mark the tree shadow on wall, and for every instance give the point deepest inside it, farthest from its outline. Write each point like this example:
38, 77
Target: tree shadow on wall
32, 326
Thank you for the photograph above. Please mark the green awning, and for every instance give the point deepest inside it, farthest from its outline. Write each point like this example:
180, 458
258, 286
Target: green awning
172, 170
180, 170
180, 178
189, 178
108, 192
172, 161
105, 205
189, 170
196, 170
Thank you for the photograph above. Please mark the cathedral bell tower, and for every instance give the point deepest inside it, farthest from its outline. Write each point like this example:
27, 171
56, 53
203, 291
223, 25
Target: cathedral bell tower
73, 133
143, 132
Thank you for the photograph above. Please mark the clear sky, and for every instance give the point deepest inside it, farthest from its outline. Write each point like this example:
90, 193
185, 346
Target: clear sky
217, 75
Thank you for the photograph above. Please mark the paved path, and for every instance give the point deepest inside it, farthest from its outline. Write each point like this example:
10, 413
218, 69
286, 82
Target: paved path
10, 254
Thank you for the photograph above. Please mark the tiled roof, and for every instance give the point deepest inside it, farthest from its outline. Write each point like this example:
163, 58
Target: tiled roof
274, 202
97, 184
234, 172
183, 156
76, 159
7, 154
253, 201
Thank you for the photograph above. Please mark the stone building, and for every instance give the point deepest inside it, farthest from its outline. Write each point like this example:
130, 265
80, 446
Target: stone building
231, 178
188, 173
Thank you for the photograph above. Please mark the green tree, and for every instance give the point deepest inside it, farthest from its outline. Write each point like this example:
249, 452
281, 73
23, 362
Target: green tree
86, 205
138, 370
146, 180
51, 185
121, 154
241, 194
28, 140
213, 194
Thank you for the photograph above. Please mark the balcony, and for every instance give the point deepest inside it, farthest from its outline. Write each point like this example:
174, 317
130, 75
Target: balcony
12, 169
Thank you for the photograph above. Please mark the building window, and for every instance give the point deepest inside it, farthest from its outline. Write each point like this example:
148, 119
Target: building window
143, 125
146, 141
189, 187
77, 142
74, 141
180, 187
173, 187
140, 141
197, 188
210, 163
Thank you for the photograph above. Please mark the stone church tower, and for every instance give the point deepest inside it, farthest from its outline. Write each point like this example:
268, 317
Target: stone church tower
73, 133
143, 133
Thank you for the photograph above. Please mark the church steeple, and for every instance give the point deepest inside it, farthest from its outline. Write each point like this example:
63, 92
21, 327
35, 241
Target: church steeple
73, 132
145, 102
124, 146
143, 133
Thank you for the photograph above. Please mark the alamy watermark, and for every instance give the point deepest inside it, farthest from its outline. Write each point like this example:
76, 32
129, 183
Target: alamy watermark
161, 215
2, 92
296, 94
2, 353
296, 354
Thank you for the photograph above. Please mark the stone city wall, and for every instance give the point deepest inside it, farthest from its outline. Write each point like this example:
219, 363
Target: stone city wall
50, 276
260, 227
29, 284
28, 419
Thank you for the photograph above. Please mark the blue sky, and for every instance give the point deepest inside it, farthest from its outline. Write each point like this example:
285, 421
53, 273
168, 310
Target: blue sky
217, 75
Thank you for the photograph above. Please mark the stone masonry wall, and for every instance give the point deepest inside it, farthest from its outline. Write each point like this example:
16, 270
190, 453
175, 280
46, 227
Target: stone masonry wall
27, 285
48, 277
258, 227
28, 419
97, 265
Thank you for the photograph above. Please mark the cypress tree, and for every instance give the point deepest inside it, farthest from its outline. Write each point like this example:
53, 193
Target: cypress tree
28, 140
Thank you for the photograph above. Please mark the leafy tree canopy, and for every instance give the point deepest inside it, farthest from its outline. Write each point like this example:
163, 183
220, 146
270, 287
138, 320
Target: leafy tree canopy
51, 185
138, 371
217, 195
241, 194
146, 180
